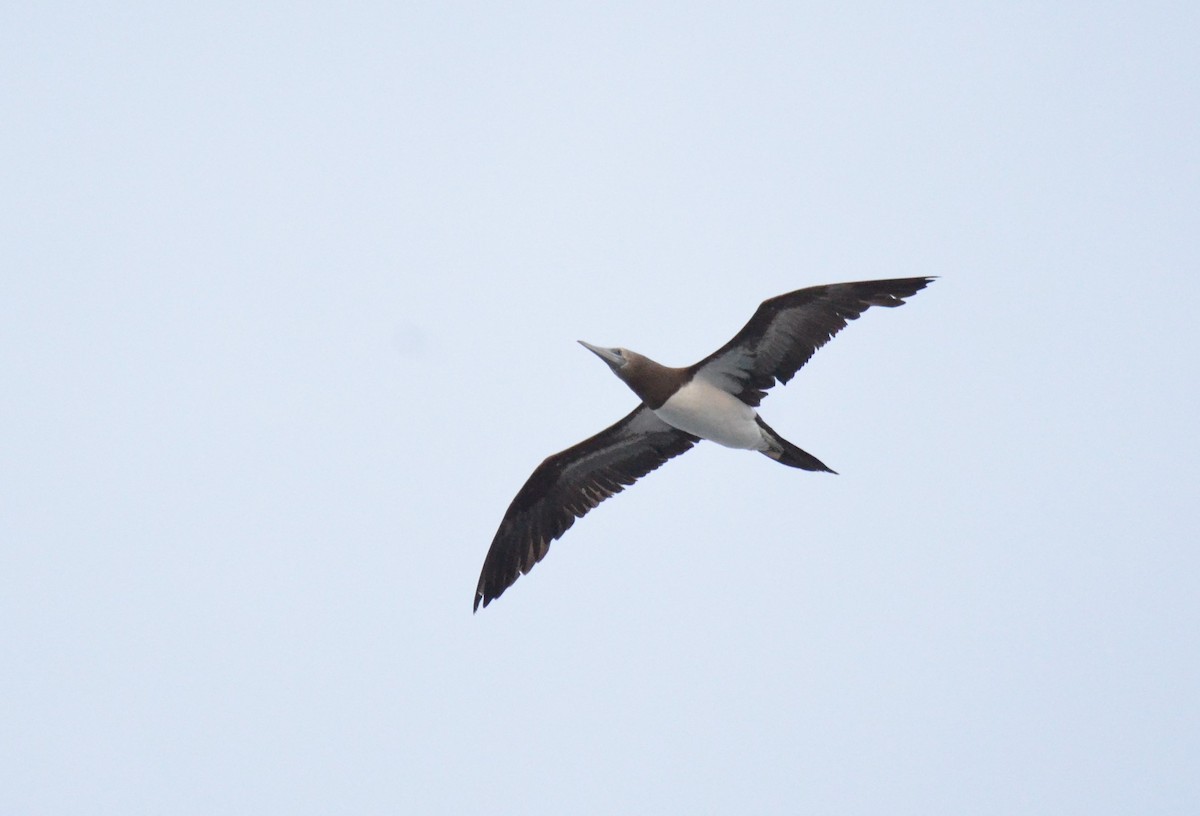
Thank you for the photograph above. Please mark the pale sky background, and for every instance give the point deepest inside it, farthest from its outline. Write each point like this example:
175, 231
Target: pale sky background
289, 298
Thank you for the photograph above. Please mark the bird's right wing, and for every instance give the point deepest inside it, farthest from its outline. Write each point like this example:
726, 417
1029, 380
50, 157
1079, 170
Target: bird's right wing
569, 484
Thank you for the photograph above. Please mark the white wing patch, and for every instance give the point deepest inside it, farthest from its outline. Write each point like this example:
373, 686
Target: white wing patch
729, 372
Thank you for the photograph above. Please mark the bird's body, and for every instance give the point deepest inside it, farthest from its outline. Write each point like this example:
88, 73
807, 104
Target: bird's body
715, 399
704, 410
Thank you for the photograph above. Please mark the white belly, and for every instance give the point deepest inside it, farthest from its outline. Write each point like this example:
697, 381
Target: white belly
706, 411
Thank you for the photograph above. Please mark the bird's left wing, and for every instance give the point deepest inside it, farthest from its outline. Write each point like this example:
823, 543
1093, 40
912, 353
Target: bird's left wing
786, 331
569, 484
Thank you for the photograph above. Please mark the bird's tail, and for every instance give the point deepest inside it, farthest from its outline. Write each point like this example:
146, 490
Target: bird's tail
788, 454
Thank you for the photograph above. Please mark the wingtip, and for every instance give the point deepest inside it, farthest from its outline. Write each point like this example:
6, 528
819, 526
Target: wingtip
918, 284
896, 292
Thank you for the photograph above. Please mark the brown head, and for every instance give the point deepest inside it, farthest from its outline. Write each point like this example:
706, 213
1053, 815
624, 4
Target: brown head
652, 382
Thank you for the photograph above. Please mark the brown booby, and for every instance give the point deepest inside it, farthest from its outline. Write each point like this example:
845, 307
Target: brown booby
713, 399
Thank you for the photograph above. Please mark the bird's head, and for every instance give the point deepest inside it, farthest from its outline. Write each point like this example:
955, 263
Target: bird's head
646, 378
617, 358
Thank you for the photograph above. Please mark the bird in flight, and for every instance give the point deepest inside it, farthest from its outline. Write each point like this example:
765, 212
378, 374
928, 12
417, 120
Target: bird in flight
714, 399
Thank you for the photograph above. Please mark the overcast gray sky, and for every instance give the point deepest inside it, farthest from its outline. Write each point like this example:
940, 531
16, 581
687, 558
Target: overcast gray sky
288, 303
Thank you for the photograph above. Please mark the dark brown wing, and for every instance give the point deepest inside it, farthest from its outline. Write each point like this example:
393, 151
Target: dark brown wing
787, 330
569, 484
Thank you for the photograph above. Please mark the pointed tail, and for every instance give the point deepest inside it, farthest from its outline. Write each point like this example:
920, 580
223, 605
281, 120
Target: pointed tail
788, 454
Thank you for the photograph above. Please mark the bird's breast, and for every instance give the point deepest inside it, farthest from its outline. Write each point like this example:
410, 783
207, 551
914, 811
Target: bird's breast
703, 410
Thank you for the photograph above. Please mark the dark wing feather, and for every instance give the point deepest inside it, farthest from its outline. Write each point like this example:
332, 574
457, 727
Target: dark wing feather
569, 484
786, 331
